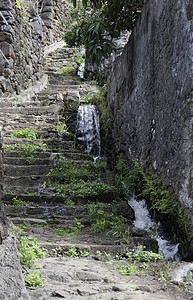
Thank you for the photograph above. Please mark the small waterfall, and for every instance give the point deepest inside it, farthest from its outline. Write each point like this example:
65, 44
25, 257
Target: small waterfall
80, 72
144, 221
88, 130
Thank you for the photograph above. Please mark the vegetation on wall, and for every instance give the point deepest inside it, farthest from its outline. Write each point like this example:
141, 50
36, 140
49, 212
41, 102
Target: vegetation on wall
161, 201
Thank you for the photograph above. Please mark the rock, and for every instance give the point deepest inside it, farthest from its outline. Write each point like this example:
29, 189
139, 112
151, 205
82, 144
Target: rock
5, 5
7, 50
135, 231
6, 37
12, 284
87, 276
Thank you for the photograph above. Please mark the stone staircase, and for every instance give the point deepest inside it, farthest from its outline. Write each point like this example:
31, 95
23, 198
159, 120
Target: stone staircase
44, 114
58, 222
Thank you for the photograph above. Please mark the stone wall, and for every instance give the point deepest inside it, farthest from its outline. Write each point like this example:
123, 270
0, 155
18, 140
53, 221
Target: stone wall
26, 28
12, 285
151, 94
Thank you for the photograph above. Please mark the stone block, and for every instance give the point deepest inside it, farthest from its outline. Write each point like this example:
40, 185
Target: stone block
6, 37
47, 9
2, 62
48, 2
5, 4
9, 18
37, 28
7, 50
46, 16
6, 28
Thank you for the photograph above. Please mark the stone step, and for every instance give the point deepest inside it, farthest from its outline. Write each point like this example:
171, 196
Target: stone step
91, 248
41, 157
25, 170
13, 161
56, 214
26, 104
45, 134
35, 122
36, 111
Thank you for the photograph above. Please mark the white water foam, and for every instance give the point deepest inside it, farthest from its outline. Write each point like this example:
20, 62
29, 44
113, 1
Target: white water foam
144, 221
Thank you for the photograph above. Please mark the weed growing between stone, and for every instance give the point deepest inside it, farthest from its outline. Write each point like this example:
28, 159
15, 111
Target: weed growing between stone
35, 279
144, 256
25, 133
29, 251
27, 150
18, 202
78, 180
71, 231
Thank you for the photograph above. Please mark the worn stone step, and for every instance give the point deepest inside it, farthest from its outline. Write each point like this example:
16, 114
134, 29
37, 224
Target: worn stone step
91, 248
36, 111
52, 142
19, 161
56, 214
25, 170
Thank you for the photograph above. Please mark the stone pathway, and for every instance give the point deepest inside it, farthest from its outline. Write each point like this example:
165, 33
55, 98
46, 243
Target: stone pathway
26, 177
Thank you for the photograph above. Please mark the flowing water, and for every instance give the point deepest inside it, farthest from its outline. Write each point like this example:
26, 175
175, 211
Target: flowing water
144, 221
88, 130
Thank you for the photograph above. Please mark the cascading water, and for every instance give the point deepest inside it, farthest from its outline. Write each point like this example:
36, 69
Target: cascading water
144, 221
88, 130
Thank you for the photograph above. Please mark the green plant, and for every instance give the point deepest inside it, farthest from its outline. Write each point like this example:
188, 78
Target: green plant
61, 127
25, 133
69, 202
84, 189
128, 269
68, 70
160, 200
56, 252
88, 98
144, 256
35, 279
84, 253
18, 201
29, 251
99, 255
73, 252
78, 57
72, 231
107, 256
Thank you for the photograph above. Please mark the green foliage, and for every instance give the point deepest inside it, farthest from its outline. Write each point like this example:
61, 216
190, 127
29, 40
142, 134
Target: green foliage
72, 231
128, 269
78, 57
104, 218
29, 251
72, 172
27, 150
102, 17
72, 252
144, 256
149, 186
70, 69
35, 279
18, 202
88, 98
25, 133
61, 127
84, 189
